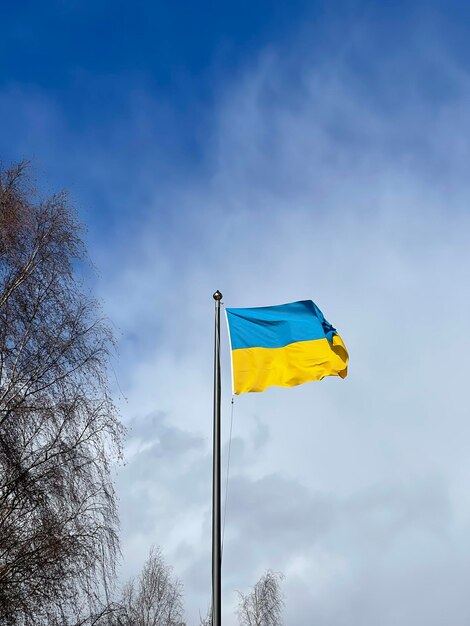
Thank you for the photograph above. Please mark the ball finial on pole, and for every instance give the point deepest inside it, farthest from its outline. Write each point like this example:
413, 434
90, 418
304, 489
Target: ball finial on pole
217, 295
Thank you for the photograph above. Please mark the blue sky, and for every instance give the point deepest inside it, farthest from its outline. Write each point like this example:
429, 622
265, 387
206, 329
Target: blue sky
98, 66
275, 151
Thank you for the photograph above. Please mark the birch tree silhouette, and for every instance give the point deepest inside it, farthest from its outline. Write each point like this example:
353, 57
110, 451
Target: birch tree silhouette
262, 606
154, 598
59, 431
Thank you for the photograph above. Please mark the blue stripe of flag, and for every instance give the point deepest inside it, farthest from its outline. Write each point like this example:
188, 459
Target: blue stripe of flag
277, 326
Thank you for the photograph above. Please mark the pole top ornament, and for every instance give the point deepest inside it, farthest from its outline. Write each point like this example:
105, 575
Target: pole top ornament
217, 295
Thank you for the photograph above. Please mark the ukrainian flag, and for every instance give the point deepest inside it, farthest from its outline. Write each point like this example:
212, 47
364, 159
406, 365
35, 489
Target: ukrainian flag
284, 346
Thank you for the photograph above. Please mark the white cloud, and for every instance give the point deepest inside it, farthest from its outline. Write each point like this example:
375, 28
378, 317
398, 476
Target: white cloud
314, 185
357, 492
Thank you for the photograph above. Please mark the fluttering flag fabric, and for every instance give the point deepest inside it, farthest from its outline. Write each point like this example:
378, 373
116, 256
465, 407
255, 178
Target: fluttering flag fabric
284, 346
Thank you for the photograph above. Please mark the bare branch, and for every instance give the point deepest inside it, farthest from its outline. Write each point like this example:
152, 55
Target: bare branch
59, 432
262, 606
155, 598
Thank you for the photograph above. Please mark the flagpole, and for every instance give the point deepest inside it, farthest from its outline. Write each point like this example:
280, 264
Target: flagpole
216, 533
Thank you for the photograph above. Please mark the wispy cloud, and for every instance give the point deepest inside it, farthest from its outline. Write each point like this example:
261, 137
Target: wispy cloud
310, 189
318, 177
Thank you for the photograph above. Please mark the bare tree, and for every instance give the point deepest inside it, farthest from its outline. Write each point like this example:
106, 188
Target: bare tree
59, 431
207, 620
263, 605
155, 598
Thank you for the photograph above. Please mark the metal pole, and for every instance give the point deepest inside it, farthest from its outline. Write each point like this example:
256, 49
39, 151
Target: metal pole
216, 536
